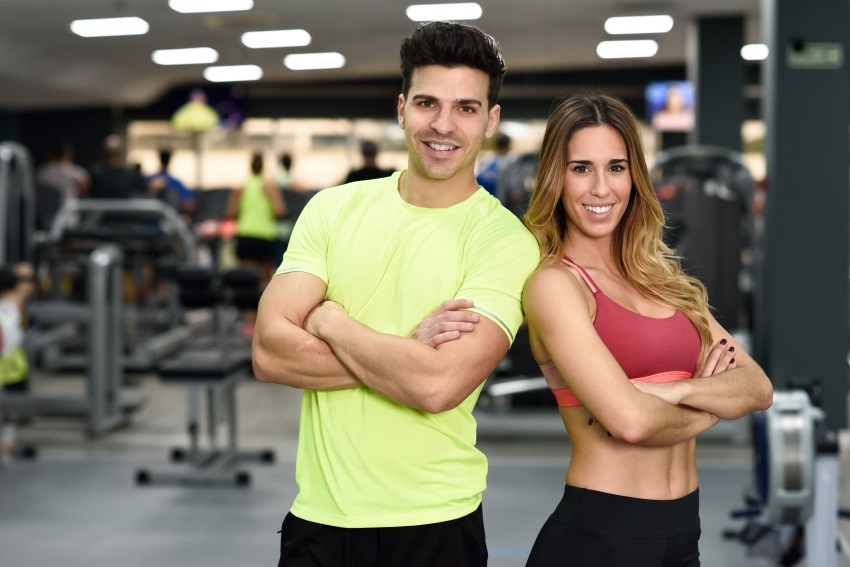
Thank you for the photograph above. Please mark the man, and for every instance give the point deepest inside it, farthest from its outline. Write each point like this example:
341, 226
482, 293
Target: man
387, 467
490, 169
370, 169
168, 188
113, 178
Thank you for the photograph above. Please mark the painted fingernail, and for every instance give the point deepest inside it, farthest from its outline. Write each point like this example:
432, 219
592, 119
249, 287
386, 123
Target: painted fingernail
732, 361
731, 349
723, 342
590, 421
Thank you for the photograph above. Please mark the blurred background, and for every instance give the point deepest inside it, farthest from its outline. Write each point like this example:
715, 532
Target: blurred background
129, 127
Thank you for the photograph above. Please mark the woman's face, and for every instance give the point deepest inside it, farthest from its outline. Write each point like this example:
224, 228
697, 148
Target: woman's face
597, 182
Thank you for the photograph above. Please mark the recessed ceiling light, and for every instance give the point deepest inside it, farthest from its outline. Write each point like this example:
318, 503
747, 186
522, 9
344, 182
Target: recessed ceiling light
308, 61
626, 48
110, 27
435, 12
195, 6
638, 24
188, 56
754, 52
230, 73
276, 38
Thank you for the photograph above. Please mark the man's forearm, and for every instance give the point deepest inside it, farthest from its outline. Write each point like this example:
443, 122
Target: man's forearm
391, 365
294, 357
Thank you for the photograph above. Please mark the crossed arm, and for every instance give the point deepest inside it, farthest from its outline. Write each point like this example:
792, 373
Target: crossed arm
563, 331
303, 342
729, 385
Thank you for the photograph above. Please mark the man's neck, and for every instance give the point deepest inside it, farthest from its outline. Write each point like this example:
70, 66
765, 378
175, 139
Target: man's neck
436, 193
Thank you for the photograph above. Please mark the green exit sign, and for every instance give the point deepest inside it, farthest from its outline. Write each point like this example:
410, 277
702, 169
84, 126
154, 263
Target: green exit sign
815, 55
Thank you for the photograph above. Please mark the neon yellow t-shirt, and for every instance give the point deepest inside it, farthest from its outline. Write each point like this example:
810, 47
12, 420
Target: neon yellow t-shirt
364, 460
256, 214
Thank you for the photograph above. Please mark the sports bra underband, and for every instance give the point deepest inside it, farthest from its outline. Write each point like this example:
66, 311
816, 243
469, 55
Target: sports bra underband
648, 349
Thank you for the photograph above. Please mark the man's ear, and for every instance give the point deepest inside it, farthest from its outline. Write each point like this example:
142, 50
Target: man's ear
493, 120
401, 111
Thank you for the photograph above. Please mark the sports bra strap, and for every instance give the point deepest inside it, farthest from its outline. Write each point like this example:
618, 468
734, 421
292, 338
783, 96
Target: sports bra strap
584, 275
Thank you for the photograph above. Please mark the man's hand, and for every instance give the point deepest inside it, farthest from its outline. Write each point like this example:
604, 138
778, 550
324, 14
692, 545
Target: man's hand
319, 315
446, 323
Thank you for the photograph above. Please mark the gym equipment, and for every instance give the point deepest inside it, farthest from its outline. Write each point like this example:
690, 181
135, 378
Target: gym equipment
148, 231
794, 510
17, 205
706, 194
104, 406
211, 371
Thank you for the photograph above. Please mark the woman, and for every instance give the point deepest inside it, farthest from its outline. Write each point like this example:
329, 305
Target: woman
256, 207
618, 328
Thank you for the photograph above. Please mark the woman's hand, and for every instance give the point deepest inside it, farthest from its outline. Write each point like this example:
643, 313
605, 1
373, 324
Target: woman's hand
720, 358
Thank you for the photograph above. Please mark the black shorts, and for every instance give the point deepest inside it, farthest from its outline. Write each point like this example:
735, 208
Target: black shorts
248, 248
456, 543
590, 528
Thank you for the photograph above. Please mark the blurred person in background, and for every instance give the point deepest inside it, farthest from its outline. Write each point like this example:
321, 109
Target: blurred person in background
169, 189
256, 206
489, 169
62, 175
370, 169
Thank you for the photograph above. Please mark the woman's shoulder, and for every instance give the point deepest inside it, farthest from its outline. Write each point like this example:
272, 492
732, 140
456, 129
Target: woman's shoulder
552, 274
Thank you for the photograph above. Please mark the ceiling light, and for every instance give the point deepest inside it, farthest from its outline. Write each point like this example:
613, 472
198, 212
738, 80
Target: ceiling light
754, 52
628, 48
195, 6
189, 56
109, 27
638, 24
437, 12
276, 38
229, 73
308, 61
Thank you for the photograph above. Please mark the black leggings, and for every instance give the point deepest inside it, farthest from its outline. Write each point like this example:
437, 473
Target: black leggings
590, 528
455, 543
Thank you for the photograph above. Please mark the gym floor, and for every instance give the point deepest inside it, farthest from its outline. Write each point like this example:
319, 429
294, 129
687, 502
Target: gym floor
77, 503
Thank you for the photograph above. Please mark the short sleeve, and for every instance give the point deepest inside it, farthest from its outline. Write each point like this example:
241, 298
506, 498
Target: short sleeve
496, 275
307, 250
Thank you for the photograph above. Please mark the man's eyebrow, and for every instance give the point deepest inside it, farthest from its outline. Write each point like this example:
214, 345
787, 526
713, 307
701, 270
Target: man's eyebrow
461, 102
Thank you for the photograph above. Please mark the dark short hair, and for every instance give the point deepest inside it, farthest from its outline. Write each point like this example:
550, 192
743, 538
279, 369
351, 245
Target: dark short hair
503, 142
286, 161
164, 158
368, 148
257, 163
450, 44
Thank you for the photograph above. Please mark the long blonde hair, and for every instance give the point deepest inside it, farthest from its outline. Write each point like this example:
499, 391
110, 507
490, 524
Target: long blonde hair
639, 252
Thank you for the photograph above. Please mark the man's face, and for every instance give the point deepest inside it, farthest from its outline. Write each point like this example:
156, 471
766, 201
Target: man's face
445, 120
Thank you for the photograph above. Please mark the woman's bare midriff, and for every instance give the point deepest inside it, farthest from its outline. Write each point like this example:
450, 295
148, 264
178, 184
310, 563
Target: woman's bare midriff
606, 464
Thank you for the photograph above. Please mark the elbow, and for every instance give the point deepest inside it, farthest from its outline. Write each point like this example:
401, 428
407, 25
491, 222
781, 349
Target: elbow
439, 395
436, 401
632, 429
767, 395
261, 364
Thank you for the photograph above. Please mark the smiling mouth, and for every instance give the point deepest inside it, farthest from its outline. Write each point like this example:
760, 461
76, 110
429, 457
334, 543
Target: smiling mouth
441, 147
598, 210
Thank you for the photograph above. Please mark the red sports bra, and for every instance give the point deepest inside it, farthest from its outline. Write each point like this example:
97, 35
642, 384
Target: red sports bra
646, 348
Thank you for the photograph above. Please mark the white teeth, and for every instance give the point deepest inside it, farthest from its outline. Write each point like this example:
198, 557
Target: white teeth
598, 210
441, 147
